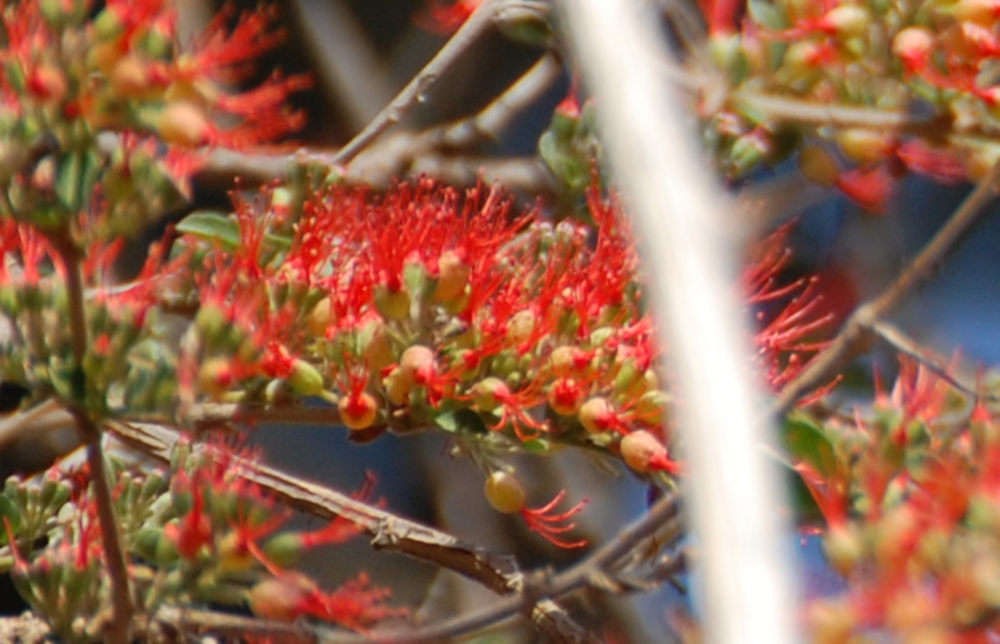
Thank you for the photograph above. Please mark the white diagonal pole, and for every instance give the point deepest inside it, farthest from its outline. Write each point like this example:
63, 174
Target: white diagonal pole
681, 217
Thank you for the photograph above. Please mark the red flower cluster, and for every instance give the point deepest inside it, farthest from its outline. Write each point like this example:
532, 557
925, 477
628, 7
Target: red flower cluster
910, 498
878, 62
411, 308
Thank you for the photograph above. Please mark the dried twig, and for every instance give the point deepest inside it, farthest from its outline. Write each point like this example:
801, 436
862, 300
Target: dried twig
866, 316
904, 344
536, 596
389, 532
117, 630
417, 89
431, 151
788, 109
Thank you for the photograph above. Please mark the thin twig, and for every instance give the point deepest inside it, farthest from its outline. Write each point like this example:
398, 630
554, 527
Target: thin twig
189, 621
864, 318
904, 344
117, 630
793, 110
390, 532
498, 573
429, 152
417, 89
494, 119
591, 571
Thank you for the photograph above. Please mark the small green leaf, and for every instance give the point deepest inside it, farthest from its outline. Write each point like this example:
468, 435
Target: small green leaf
213, 226
460, 421
804, 507
536, 446
807, 442
9, 514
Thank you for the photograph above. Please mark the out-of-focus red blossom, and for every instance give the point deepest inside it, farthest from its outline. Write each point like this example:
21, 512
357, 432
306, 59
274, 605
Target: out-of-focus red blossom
191, 88
869, 186
788, 338
910, 497
918, 392
721, 16
570, 106
291, 595
355, 604
942, 165
446, 16
27, 249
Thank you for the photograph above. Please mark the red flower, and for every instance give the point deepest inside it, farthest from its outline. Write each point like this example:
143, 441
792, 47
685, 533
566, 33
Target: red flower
443, 17
551, 525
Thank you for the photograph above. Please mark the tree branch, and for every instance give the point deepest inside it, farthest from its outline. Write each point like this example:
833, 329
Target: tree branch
498, 573
536, 596
117, 630
865, 317
416, 90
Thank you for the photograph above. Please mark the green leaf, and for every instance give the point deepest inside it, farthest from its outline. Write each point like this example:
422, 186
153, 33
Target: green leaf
807, 442
460, 421
10, 513
536, 446
213, 226
804, 507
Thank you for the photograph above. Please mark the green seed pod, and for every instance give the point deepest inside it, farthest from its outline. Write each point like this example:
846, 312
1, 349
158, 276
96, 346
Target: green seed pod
319, 318
212, 323
848, 21
453, 275
594, 413
843, 548
153, 485
305, 379
48, 491
626, 377
600, 336
284, 549
60, 496
146, 542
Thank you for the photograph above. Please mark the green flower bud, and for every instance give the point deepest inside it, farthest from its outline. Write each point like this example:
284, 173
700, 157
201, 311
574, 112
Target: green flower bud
305, 379
392, 305
284, 549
